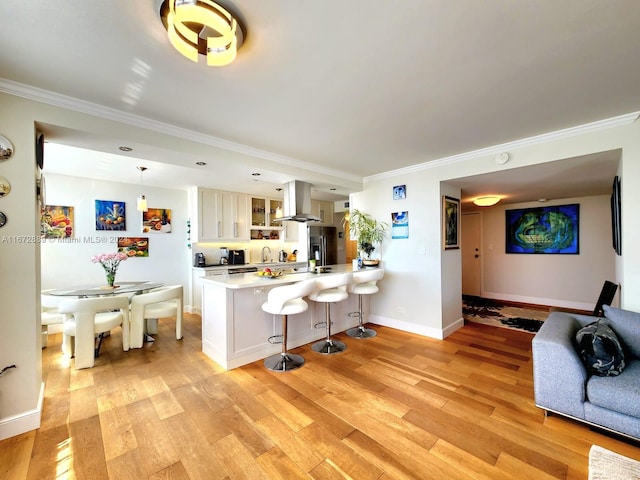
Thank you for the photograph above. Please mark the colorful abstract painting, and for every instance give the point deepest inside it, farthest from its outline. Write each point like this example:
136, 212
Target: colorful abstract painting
552, 229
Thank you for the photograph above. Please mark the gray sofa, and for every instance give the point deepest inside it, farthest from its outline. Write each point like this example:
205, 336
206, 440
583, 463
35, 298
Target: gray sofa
561, 381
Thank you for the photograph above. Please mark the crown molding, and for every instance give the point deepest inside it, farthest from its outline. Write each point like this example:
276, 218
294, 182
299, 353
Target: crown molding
599, 125
70, 103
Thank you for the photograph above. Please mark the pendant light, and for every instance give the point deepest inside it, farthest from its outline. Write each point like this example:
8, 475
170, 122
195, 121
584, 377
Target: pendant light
141, 204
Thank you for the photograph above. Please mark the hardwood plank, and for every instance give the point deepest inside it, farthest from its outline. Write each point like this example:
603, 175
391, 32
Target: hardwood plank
196, 455
155, 449
285, 411
126, 466
340, 454
304, 455
117, 433
87, 449
237, 460
15, 456
248, 432
279, 466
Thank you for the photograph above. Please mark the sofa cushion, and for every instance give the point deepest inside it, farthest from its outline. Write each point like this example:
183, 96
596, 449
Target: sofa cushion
600, 349
620, 394
627, 325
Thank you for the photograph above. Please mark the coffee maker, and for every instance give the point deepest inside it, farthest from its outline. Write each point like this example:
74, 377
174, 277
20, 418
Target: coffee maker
224, 255
199, 260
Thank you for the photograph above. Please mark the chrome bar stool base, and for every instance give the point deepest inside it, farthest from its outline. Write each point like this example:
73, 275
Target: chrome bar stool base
283, 362
361, 332
328, 347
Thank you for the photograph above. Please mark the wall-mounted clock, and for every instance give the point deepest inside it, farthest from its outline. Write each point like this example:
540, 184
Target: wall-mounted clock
6, 149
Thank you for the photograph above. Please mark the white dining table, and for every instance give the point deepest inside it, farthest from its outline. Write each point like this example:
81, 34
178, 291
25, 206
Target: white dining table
86, 291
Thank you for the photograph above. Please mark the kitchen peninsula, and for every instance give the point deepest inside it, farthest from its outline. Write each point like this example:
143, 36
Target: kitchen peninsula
235, 329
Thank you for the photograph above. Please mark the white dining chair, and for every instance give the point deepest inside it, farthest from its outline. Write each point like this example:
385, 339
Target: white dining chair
161, 302
49, 314
88, 318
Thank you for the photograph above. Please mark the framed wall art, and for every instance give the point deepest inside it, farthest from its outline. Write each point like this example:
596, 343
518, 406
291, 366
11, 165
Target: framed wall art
399, 192
110, 215
616, 217
156, 220
450, 223
56, 221
134, 246
400, 225
551, 230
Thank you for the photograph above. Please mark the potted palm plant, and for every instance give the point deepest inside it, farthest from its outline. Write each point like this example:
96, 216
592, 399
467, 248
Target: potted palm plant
368, 232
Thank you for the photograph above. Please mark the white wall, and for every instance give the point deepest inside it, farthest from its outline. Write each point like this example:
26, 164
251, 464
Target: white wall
20, 344
572, 281
68, 263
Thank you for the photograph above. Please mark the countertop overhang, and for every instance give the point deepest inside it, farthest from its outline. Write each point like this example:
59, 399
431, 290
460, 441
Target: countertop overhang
252, 280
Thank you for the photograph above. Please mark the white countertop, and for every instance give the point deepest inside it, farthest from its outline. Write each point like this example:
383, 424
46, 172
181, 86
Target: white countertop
250, 280
278, 265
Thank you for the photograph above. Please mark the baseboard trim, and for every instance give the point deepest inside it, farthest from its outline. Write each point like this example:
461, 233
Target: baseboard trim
551, 302
414, 327
23, 422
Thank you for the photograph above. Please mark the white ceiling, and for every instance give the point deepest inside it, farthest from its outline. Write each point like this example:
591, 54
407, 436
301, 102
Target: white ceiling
329, 89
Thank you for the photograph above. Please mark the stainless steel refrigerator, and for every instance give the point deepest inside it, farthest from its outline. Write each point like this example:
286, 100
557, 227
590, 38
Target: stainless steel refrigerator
323, 240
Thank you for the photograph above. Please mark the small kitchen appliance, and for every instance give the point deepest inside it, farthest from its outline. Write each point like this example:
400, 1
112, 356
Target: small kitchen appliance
224, 255
199, 260
236, 257
282, 256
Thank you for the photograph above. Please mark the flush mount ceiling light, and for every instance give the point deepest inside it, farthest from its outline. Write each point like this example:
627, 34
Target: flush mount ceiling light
141, 203
202, 27
486, 201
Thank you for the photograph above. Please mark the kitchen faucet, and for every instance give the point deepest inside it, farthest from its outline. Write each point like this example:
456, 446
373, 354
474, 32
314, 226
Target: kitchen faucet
264, 256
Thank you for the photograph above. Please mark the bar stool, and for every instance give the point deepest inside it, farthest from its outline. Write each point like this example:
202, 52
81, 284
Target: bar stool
330, 289
287, 300
364, 283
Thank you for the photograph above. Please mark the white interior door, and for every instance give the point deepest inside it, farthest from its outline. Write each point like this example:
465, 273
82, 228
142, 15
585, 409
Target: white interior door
471, 260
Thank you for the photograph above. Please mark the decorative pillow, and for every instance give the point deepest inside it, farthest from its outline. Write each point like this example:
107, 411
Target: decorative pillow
600, 350
627, 325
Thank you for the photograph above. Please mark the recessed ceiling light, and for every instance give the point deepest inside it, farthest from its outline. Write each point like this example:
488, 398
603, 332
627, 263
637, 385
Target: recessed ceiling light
201, 164
125, 149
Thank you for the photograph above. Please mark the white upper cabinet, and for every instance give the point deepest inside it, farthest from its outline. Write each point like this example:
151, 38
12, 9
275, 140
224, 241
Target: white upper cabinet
221, 216
235, 216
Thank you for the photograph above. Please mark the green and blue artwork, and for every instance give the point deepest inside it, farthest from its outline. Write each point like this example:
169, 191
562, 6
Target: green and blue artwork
552, 229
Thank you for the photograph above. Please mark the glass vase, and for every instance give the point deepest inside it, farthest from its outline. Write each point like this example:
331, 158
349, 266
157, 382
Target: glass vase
111, 278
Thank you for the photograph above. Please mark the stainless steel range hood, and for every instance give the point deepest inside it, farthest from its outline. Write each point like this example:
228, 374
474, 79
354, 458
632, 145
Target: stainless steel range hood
297, 203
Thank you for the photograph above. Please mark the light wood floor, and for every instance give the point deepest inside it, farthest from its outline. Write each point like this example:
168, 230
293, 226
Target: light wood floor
398, 406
